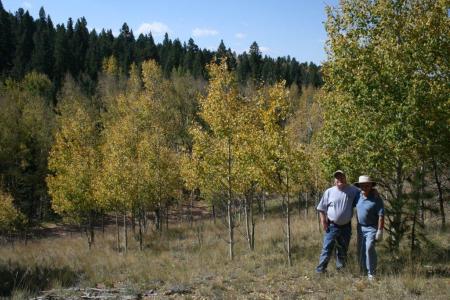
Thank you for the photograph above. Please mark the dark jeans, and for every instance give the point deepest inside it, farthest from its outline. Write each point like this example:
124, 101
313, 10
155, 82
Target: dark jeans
339, 236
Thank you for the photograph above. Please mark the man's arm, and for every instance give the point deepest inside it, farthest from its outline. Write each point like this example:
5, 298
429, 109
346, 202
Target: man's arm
322, 209
323, 220
379, 234
380, 222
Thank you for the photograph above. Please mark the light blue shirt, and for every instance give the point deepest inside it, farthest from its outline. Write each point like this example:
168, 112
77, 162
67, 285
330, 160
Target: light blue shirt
369, 209
338, 204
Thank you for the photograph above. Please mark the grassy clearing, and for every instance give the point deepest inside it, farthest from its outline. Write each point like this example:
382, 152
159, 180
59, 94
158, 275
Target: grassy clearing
196, 258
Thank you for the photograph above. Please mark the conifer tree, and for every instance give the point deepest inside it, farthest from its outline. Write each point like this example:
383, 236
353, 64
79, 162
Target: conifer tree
197, 65
42, 56
243, 68
124, 48
191, 51
145, 48
93, 59
105, 43
7, 44
79, 43
61, 55
24, 46
255, 61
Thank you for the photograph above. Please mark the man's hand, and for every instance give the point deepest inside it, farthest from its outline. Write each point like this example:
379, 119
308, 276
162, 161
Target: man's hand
379, 235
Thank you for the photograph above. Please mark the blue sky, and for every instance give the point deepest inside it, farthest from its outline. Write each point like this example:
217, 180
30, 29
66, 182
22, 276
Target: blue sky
280, 27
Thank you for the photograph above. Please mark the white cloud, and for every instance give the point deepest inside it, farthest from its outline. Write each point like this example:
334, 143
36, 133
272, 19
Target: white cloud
240, 35
27, 4
156, 28
264, 49
199, 32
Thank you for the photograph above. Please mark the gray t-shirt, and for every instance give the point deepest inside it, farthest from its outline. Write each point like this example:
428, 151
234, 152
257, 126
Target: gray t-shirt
338, 204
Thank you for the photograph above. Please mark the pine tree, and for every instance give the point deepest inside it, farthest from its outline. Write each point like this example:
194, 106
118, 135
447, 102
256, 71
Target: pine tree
191, 52
70, 63
243, 68
105, 43
255, 61
268, 71
93, 59
197, 65
124, 48
145, 49
7, 45
43, 38
177, 54
164, 53
61, 55
24, 45
79, 43
221, 52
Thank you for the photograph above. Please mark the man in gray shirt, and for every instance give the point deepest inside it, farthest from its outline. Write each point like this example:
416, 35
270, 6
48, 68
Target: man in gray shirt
336, 210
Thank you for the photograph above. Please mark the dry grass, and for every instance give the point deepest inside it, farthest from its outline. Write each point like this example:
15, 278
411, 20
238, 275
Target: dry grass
196, 257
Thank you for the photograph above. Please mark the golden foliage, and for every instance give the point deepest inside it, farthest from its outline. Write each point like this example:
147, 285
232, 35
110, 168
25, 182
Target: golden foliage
10, 217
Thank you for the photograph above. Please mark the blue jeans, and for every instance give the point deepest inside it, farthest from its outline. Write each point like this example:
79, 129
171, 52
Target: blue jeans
366, 249
339, 236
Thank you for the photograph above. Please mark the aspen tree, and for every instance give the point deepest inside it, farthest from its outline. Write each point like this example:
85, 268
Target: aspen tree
11, 218
386, 95
214, 147
139, 170
283, 161
73, 162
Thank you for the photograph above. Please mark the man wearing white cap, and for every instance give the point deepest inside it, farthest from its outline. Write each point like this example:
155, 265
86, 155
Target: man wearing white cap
370, 215
336, 210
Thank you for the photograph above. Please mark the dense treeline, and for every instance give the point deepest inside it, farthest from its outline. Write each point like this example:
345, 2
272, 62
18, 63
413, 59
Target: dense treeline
27, 44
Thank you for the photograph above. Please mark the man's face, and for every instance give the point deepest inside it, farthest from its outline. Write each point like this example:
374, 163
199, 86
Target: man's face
340, 180
366, 187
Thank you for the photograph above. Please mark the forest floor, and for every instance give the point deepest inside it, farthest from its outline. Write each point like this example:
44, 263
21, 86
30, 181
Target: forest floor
190, 260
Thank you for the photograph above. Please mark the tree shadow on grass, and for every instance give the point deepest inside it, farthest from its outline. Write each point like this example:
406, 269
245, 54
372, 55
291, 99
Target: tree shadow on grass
436, 260
33, 279
431, 261
435, 253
